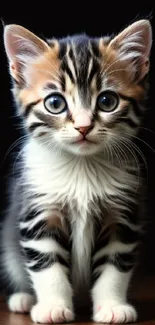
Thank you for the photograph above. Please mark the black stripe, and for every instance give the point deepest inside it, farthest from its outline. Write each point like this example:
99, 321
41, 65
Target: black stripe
63, 82
121, 113
101, 243
31, 254
83, 73
123, 200
46, 262
29, 107
60, 238
133, 101
132, 215
124, 262
61, 260
38, 231
35, 125
126, 234
127, 120
63, 49
48, 121
95, 48
72, 56
65, 68
122, 116
41, 230
130, 194
98, 81
33, 214
101, 261
43, 260
124, 112
97, 54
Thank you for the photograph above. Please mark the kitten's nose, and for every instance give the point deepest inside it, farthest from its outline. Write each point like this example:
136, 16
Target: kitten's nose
84, 129
83, 123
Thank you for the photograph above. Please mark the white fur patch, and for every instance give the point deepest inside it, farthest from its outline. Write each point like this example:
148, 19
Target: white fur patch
123, 313
51, 313
45, 245
110, 287
21, 302
52, 286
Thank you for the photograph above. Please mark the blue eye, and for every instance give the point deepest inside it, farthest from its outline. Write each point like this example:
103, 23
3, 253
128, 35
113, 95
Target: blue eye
107, 101
55, 103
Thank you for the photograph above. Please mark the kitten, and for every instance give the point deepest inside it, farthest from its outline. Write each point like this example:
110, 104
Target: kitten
73, 219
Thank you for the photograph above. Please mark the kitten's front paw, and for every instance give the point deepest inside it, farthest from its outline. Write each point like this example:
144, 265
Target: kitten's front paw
115, 314
42, 313
20, 302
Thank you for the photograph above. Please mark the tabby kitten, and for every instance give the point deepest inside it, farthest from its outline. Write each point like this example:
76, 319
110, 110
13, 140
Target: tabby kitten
73, 219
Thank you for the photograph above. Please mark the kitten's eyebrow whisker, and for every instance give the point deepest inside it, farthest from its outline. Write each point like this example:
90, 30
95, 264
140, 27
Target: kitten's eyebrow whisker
50, 86
109, 66
56, 77
113, 71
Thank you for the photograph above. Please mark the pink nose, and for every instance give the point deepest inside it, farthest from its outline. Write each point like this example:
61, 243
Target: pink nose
83, 123
84, 129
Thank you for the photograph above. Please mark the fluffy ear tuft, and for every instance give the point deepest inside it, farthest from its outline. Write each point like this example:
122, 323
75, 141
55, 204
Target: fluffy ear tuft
133, 45
22, 47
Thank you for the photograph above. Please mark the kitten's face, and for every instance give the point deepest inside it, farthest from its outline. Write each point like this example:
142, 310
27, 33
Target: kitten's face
80, 94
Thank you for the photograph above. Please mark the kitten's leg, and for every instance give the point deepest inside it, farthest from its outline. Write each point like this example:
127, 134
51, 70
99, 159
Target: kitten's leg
112, 269
14, 277
45, 244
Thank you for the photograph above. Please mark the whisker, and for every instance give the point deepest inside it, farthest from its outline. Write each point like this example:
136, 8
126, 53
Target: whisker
13, 146
108, 67
15, 162
139, 139
124, 142
118, 147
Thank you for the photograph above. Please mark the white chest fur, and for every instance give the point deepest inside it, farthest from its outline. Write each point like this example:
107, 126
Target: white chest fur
69, 179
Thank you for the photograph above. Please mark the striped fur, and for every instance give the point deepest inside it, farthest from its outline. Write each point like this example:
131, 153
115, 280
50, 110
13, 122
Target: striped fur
73, 222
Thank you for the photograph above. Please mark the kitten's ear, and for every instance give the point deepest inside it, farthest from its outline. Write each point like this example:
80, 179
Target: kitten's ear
133, 45
22, 47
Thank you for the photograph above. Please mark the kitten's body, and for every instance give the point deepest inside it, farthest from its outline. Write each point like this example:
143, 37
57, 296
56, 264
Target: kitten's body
83, 198
74, 214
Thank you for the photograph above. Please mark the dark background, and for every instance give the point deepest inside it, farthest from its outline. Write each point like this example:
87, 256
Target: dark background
96, 19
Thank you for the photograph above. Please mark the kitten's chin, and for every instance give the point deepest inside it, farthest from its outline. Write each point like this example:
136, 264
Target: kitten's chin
83, 149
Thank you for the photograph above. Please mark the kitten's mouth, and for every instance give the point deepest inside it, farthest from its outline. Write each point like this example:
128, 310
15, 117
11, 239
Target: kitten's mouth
83, 141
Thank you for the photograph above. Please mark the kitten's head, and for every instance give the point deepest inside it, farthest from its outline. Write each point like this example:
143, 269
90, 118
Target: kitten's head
79, 93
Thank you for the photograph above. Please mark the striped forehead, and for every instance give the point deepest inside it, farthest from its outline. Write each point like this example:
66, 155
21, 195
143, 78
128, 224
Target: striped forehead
80, 63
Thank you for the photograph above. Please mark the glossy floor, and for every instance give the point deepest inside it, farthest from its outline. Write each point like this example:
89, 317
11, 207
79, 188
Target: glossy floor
142, 293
